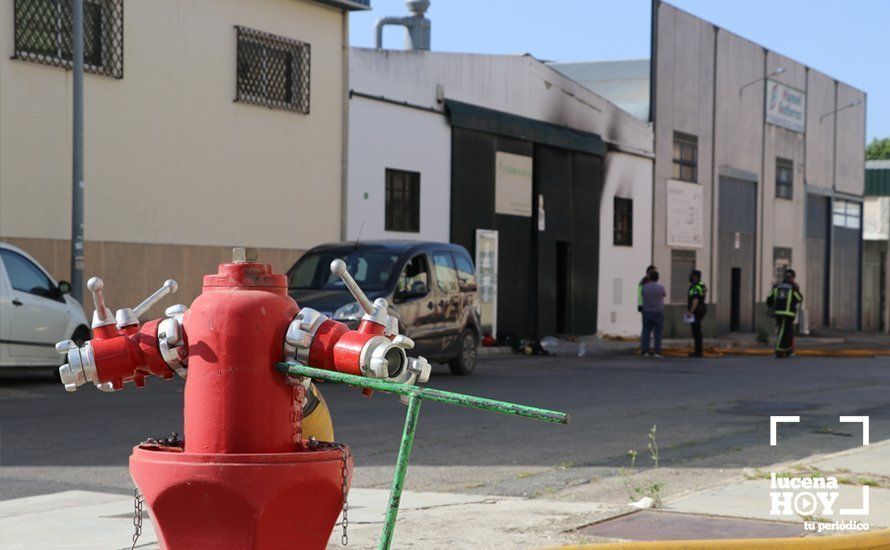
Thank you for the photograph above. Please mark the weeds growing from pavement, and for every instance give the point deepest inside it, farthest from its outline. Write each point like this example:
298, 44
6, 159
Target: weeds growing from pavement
652, 489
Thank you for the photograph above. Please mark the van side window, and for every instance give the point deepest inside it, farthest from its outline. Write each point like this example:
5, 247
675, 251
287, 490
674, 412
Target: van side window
465, 273
446, 274
414, 281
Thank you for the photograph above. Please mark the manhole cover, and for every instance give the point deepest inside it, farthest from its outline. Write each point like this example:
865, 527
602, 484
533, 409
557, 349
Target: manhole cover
766, 408
654, 525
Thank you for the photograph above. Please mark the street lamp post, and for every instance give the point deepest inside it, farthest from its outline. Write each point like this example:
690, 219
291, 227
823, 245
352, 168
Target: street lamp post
77, 155
853, 103
780, 70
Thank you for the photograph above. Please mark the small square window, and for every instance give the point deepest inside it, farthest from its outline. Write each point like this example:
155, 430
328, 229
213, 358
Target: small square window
847, 214
272, 71
402, 201
784, 178
622, 233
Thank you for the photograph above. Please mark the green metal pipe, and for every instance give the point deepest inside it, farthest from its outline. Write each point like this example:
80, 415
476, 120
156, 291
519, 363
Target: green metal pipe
398, 480
415, 396
432, 394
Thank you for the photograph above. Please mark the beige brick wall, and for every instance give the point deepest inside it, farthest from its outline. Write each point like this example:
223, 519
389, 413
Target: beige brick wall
132, 271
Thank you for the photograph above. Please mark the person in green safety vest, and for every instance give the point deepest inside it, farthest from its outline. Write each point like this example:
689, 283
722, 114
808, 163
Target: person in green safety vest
782, 301
696, 308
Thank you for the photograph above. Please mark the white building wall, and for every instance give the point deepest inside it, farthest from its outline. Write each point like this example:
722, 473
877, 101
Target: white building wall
876, 219
622, 267
387, 135
169, 157
383, 135
517, 84
176, 172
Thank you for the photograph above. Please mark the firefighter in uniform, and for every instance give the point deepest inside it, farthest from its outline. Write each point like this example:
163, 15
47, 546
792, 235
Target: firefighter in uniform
783, 300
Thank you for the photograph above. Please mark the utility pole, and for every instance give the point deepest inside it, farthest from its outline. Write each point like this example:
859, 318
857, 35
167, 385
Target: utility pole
77, 156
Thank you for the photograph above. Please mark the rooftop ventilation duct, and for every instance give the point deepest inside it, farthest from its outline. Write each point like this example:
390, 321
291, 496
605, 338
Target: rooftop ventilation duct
418, 27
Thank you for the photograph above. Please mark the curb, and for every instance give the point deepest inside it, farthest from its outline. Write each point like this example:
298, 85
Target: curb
875, 540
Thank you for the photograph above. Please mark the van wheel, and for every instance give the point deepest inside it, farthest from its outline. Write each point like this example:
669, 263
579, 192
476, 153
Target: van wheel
465, 362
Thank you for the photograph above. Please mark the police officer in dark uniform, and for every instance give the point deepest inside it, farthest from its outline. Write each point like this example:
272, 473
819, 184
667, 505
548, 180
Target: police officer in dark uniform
783, 300
695, 307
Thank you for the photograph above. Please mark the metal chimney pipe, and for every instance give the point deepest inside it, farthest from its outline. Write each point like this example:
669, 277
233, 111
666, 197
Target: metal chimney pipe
418, 27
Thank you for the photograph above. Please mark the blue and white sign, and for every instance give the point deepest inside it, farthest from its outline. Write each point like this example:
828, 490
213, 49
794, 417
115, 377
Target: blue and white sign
786, 106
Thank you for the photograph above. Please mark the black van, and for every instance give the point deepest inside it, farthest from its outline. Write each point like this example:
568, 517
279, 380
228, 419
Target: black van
431, 289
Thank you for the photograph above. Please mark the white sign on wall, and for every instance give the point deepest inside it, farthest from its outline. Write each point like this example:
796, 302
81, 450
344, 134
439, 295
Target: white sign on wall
487, 279
785, 106
876, 219
685, 214
513, 185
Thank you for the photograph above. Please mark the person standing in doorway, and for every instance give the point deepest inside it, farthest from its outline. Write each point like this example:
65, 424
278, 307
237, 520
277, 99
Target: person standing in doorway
783, 300
652, 295
696, 310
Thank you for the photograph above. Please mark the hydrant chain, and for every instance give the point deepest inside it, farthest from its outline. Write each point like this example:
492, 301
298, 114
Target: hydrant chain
344, 539
137, 516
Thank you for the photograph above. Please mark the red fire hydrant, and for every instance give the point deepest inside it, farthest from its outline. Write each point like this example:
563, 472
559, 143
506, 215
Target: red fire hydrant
243, 477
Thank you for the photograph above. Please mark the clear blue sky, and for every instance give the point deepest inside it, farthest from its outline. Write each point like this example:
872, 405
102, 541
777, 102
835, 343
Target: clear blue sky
848, 40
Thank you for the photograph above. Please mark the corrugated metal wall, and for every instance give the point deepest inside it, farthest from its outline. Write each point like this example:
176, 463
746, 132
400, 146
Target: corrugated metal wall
472, 207
874, 281
817, 235
736, 248
528, 268
845, 262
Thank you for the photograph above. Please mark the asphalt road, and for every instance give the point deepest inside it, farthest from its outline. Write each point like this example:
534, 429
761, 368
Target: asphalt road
710, 413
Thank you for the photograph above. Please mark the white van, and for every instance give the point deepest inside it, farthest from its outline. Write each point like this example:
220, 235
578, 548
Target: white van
35, 312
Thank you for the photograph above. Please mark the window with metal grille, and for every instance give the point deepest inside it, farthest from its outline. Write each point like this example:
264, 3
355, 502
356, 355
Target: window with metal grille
623, 225
272, 71
44, 33
682, 264
784, 178
685, 157
402, 201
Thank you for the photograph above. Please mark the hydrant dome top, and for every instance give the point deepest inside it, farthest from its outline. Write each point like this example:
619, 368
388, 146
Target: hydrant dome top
246, 275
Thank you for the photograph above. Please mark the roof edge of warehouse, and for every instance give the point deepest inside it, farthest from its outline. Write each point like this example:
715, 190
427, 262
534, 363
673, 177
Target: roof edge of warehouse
746, 39
348, 5
610, 141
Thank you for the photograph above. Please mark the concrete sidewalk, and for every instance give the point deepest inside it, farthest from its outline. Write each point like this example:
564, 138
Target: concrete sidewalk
740, 507
599, 346
734, 508
90, 521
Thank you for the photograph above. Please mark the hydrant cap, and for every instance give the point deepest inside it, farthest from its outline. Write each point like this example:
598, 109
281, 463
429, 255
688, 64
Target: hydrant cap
246, 275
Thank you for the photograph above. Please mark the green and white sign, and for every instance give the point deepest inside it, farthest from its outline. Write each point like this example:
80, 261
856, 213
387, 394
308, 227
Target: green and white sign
786, 106
513, 185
